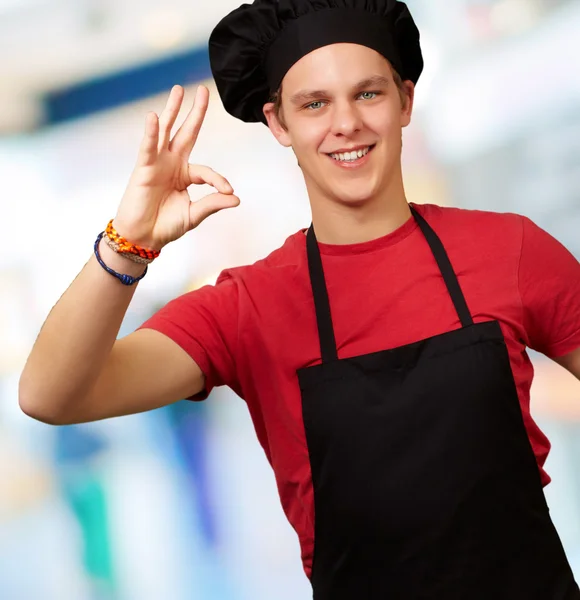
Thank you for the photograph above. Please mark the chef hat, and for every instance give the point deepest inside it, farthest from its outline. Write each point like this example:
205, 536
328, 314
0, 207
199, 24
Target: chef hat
254, 46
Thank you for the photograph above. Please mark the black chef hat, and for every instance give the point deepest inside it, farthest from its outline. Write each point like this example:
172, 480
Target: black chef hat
253, 47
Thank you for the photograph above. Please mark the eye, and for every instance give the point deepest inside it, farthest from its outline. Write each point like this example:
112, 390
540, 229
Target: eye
372, 94
317, 104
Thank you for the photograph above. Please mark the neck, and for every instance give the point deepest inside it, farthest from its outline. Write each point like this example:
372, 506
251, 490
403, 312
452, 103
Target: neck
339, 223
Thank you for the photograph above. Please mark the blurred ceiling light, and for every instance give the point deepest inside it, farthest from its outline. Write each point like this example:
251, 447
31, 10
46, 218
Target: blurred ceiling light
514, 16
163, 28
10, 5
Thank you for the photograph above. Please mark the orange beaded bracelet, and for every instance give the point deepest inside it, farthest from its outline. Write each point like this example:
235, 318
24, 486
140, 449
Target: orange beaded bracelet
126, 247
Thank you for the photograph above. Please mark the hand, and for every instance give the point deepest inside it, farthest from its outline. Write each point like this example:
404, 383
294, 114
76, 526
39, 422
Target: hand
156, 207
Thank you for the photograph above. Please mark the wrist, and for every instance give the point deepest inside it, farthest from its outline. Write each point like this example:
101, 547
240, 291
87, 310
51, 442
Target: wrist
120, 231
118, 262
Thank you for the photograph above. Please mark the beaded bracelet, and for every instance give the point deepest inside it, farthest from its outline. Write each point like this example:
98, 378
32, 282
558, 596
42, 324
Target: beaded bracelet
124, 279
126, 246
128, 255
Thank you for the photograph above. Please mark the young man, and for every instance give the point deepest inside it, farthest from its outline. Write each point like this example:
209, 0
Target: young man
381, 352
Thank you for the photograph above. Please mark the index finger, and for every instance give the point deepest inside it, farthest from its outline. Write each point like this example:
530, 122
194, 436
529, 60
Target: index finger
184, 140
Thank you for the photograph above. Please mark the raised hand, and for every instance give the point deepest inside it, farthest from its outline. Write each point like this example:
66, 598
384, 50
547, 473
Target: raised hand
156, 207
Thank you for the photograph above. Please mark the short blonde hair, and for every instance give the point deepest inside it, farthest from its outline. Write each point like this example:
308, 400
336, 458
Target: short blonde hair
276, 97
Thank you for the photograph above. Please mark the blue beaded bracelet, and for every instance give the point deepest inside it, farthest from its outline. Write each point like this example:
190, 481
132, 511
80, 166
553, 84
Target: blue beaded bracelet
124, 279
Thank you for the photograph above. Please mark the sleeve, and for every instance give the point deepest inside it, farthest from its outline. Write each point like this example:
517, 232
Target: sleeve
549, 285
204, 323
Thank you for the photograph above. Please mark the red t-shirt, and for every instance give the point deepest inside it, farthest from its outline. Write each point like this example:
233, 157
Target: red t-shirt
256, 326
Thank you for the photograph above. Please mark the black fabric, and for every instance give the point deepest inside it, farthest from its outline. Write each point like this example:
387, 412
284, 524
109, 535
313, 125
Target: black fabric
321, 304
426, 486
254, 46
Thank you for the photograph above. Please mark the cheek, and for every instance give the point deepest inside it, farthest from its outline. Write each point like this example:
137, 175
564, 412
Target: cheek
309, 145
385, 122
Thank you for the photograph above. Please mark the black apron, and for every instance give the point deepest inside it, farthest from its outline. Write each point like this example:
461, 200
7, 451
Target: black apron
425, 482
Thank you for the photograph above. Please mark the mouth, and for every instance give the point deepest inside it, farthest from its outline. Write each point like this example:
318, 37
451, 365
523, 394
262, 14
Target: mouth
353, 158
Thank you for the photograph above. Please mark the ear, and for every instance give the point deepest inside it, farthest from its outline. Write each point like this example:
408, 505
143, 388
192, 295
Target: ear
407, 108
278, 130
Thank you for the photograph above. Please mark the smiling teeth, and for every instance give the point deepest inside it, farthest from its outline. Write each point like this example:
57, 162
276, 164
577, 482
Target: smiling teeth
350, 156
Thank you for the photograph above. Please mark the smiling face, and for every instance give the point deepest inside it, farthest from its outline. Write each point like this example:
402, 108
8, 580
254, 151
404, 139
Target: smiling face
341, 113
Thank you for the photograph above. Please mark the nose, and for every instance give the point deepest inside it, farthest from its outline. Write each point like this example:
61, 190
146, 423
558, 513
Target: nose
346, 118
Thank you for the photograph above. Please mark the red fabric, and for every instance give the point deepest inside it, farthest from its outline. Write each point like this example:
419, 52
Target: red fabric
256, 326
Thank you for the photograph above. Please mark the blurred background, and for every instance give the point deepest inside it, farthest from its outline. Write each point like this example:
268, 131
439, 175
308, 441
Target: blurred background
180, 503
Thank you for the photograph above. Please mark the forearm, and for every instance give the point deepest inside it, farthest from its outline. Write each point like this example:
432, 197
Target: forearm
76, 338
76, 371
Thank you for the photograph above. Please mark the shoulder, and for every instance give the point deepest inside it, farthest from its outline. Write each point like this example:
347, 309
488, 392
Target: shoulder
278, 262
235, 285
473, 228
446, 216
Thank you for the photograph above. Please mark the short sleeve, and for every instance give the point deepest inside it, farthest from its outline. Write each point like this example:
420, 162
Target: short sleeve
549, 285
204, 323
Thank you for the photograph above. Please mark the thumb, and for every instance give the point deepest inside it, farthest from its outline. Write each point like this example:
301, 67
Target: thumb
209, 205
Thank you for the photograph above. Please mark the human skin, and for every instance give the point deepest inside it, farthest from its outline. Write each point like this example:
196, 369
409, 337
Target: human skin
344, 97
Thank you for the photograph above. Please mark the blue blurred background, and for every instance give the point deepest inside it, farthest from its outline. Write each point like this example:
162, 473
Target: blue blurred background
179, 503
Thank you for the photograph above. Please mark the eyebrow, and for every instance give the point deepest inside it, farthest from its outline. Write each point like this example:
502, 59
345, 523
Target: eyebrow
304, 96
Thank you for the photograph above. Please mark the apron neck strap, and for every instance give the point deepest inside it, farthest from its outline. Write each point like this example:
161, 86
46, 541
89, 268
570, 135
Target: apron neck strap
321, 303
320, 292
444, 264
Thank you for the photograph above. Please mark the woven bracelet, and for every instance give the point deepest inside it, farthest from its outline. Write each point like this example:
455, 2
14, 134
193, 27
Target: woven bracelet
126, 247
128, 255
124, 279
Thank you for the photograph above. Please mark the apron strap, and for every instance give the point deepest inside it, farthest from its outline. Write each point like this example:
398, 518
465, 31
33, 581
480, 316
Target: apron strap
321, 303
328, 350
446, 269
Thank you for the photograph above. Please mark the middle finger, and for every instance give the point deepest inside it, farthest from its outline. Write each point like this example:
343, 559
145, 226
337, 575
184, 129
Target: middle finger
169, 114
186, 136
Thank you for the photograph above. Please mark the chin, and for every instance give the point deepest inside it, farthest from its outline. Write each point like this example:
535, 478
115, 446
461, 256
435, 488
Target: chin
353, 200
356, 196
